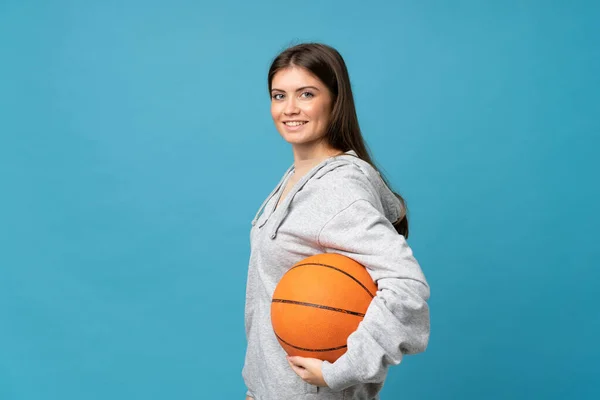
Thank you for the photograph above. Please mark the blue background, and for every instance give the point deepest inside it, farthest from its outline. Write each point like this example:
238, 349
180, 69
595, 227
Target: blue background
136, 145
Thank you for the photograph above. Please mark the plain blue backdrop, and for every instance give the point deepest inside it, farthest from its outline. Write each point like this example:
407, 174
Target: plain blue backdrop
136, 145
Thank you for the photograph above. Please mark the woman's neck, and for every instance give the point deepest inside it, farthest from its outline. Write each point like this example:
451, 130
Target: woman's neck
306, 159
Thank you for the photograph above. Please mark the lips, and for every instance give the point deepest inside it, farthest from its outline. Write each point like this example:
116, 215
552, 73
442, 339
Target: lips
294, 126
294, 123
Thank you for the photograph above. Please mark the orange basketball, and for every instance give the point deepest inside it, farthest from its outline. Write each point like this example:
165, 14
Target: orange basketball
318, 303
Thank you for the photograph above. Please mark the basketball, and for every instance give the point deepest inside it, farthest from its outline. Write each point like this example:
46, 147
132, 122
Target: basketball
318, 303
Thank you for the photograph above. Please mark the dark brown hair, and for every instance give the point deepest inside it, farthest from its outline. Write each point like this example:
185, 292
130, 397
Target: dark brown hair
343, 132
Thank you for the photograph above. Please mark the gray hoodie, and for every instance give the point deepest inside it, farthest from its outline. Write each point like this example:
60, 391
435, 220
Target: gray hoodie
340, 206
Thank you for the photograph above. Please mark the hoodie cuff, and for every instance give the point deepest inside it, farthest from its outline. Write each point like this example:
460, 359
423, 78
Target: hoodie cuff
341, 374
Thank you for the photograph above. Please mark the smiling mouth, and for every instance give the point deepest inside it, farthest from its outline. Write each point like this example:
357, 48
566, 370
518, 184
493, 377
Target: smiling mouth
295, 123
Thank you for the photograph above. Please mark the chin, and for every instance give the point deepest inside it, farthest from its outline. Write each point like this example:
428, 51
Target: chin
298, 139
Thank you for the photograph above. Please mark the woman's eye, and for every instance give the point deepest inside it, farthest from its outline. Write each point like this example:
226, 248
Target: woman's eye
277, 98
308, 94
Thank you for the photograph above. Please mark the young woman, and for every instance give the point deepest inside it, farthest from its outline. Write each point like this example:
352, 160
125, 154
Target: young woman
332, 199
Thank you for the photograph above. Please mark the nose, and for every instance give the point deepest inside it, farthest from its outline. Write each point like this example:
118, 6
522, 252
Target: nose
291, 107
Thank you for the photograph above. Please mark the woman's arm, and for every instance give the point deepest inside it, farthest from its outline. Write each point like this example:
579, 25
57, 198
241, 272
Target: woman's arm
397, 320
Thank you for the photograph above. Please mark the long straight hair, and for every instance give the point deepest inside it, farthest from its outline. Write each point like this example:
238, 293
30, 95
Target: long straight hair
343, 132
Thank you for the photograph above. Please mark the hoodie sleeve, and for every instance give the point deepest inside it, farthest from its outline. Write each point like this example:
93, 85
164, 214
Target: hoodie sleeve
397, 320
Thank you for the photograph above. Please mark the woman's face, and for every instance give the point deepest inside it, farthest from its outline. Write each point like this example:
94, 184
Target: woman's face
300, 105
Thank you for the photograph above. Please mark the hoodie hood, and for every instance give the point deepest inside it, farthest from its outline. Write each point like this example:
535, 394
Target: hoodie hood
392, 206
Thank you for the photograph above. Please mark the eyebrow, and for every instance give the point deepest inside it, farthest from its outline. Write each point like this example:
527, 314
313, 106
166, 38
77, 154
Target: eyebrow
297, 90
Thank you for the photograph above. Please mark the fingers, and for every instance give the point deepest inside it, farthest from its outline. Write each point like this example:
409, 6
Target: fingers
309, 369
301, 362
303, 367
307, 363
300, 371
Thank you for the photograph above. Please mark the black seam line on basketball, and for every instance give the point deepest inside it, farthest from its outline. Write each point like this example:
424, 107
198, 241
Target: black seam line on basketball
339, 270
305, 349
301, 303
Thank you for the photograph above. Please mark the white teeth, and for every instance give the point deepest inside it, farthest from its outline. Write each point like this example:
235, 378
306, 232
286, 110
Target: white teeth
294, 123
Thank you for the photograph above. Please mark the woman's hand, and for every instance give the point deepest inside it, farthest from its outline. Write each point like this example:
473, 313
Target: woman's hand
309, 369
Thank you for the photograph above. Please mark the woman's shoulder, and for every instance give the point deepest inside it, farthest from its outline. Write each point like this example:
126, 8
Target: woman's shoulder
344, 182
